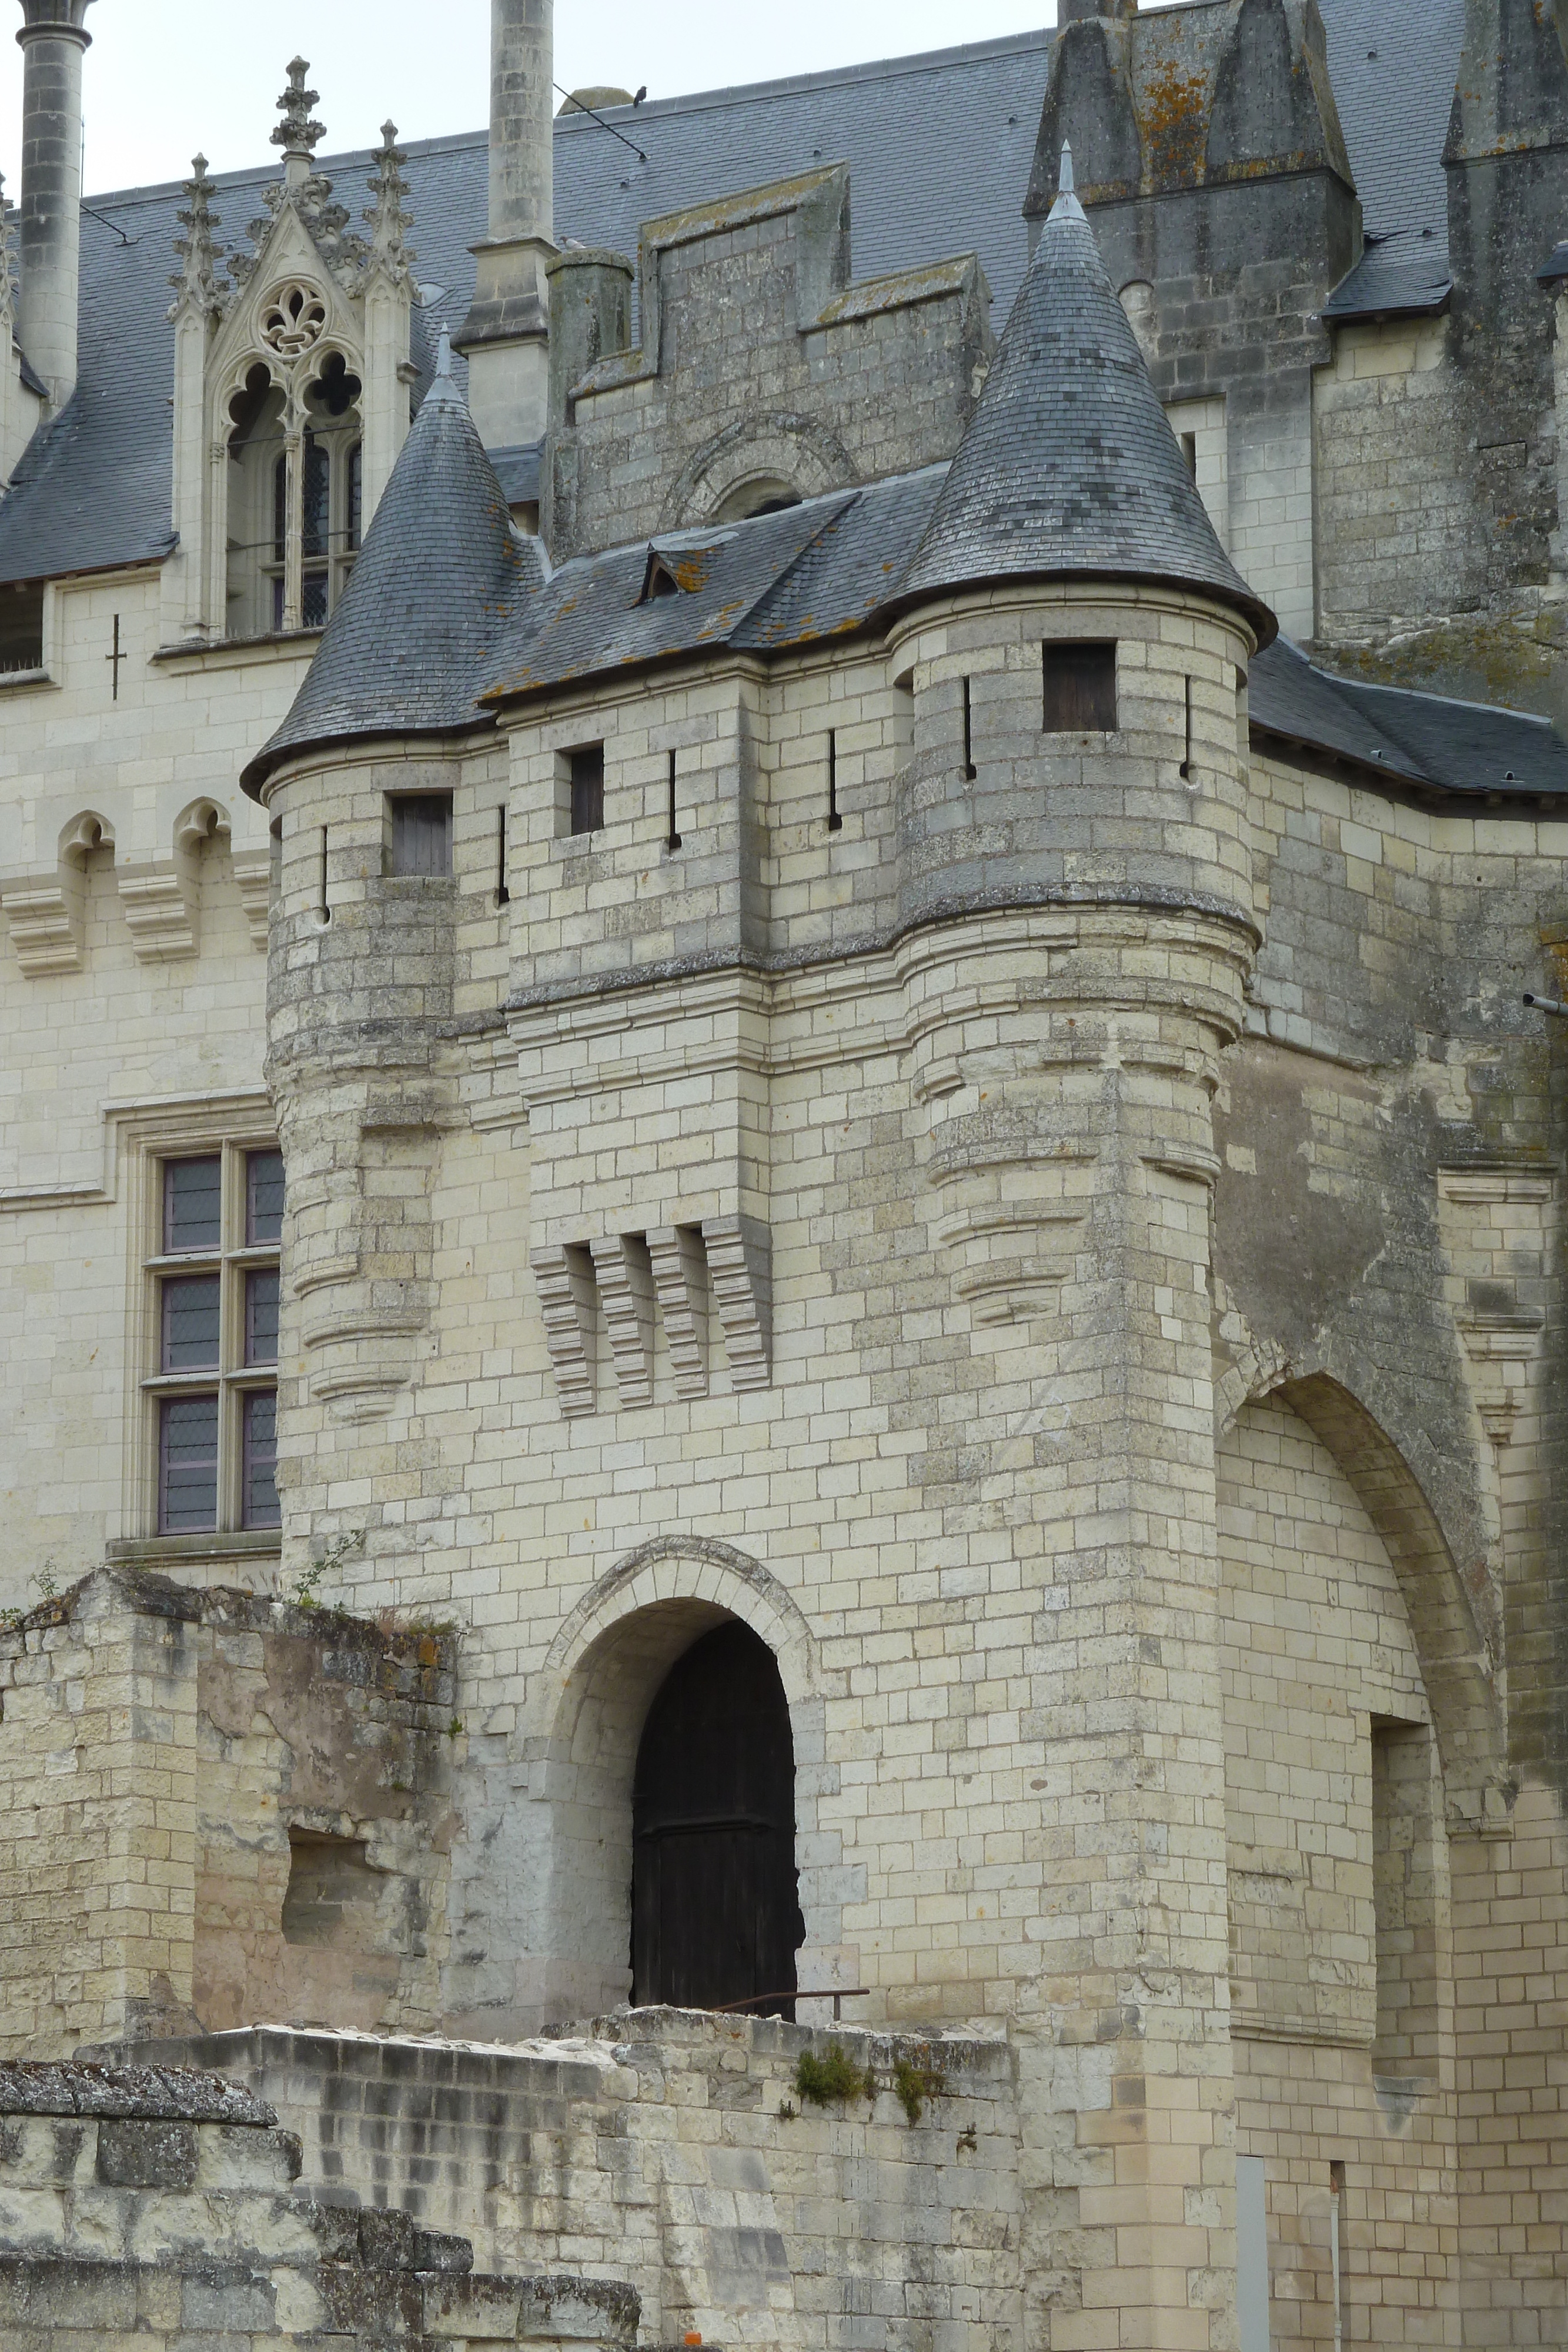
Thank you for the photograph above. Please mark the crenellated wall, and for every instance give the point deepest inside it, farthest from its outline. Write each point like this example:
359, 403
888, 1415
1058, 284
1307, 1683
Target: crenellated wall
763, 369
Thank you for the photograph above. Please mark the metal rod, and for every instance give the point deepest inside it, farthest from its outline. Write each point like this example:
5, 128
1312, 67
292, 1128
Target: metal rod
836, 1993
602, 124
1547, 1004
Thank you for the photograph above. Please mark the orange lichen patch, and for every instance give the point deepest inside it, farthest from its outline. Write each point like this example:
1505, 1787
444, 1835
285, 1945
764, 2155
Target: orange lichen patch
1173, 119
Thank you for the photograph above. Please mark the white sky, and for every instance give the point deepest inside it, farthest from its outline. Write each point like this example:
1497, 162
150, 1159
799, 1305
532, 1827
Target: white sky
166, 76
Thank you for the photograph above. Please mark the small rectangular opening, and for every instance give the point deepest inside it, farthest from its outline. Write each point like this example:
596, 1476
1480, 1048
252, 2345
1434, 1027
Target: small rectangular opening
1187, 737
587, 771
672, 836
1404, 1897
263, 1197
968, 736
1080, 688
258, 1465
323, 909
503, 896
421, 840
193, 1204
333, 1894
187, 1464
835, 820
1189, 451
22, 629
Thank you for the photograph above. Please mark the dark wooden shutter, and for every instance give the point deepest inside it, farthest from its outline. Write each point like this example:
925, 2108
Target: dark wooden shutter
715, 1907
1080, 688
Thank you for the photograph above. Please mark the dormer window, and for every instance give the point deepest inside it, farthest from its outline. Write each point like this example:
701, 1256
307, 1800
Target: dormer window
680, 567
293, 359
662, 578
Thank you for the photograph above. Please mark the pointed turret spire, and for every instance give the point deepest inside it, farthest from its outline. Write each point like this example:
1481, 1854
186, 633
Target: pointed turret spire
196, 282
1068, 467
388, 221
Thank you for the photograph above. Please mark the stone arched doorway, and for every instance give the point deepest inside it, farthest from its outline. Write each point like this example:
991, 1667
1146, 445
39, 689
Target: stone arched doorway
715, 1914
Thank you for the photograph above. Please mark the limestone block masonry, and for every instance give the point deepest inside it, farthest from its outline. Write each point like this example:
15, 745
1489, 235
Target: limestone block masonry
155, 2206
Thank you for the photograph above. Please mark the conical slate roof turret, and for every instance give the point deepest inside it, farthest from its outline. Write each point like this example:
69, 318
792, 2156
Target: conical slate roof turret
441, 570
1068, 467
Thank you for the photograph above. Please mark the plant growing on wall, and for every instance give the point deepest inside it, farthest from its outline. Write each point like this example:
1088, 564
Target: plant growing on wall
833, 2077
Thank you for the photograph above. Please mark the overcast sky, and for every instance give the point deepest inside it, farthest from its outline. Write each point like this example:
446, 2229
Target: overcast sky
166, 76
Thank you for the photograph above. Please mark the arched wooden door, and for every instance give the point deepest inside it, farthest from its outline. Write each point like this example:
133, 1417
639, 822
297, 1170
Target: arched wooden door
715, 1913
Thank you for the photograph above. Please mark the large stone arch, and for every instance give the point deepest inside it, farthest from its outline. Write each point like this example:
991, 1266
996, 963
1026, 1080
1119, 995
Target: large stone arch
587, 1708
1354, 1413
778, 447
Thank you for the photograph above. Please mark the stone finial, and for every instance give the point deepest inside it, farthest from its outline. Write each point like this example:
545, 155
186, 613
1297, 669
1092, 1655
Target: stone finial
387, 220
299, 133
196, 283
1067, 206
443, 354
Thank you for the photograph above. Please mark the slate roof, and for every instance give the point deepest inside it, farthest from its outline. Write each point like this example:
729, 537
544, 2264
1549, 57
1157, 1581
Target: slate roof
828, 569
1394, 86
1068, 465
1467, 749
940, 149
440, 570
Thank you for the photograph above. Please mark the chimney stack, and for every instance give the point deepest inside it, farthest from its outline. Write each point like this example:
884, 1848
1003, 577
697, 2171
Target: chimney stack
53, 38
506, 335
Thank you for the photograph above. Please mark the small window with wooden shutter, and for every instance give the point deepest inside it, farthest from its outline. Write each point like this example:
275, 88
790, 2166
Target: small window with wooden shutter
1080, 688
421, 839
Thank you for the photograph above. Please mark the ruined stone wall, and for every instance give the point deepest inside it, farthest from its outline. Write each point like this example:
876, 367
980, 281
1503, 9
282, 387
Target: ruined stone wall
675, 2152
217, 1808
156, 2207
98, 1784
762, 366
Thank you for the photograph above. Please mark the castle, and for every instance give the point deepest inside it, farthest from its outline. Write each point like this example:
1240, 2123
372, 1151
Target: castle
784, 1466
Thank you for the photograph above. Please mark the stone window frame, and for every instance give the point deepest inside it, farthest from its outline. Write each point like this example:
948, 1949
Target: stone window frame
233, 1129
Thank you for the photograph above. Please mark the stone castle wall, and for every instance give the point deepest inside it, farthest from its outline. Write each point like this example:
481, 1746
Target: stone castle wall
217, 1806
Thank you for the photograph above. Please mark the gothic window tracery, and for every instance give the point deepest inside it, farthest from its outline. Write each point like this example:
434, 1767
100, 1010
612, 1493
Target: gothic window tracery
295, 500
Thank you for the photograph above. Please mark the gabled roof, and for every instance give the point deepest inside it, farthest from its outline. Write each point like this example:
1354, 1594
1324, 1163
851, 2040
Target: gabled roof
441, 572
1068, 468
